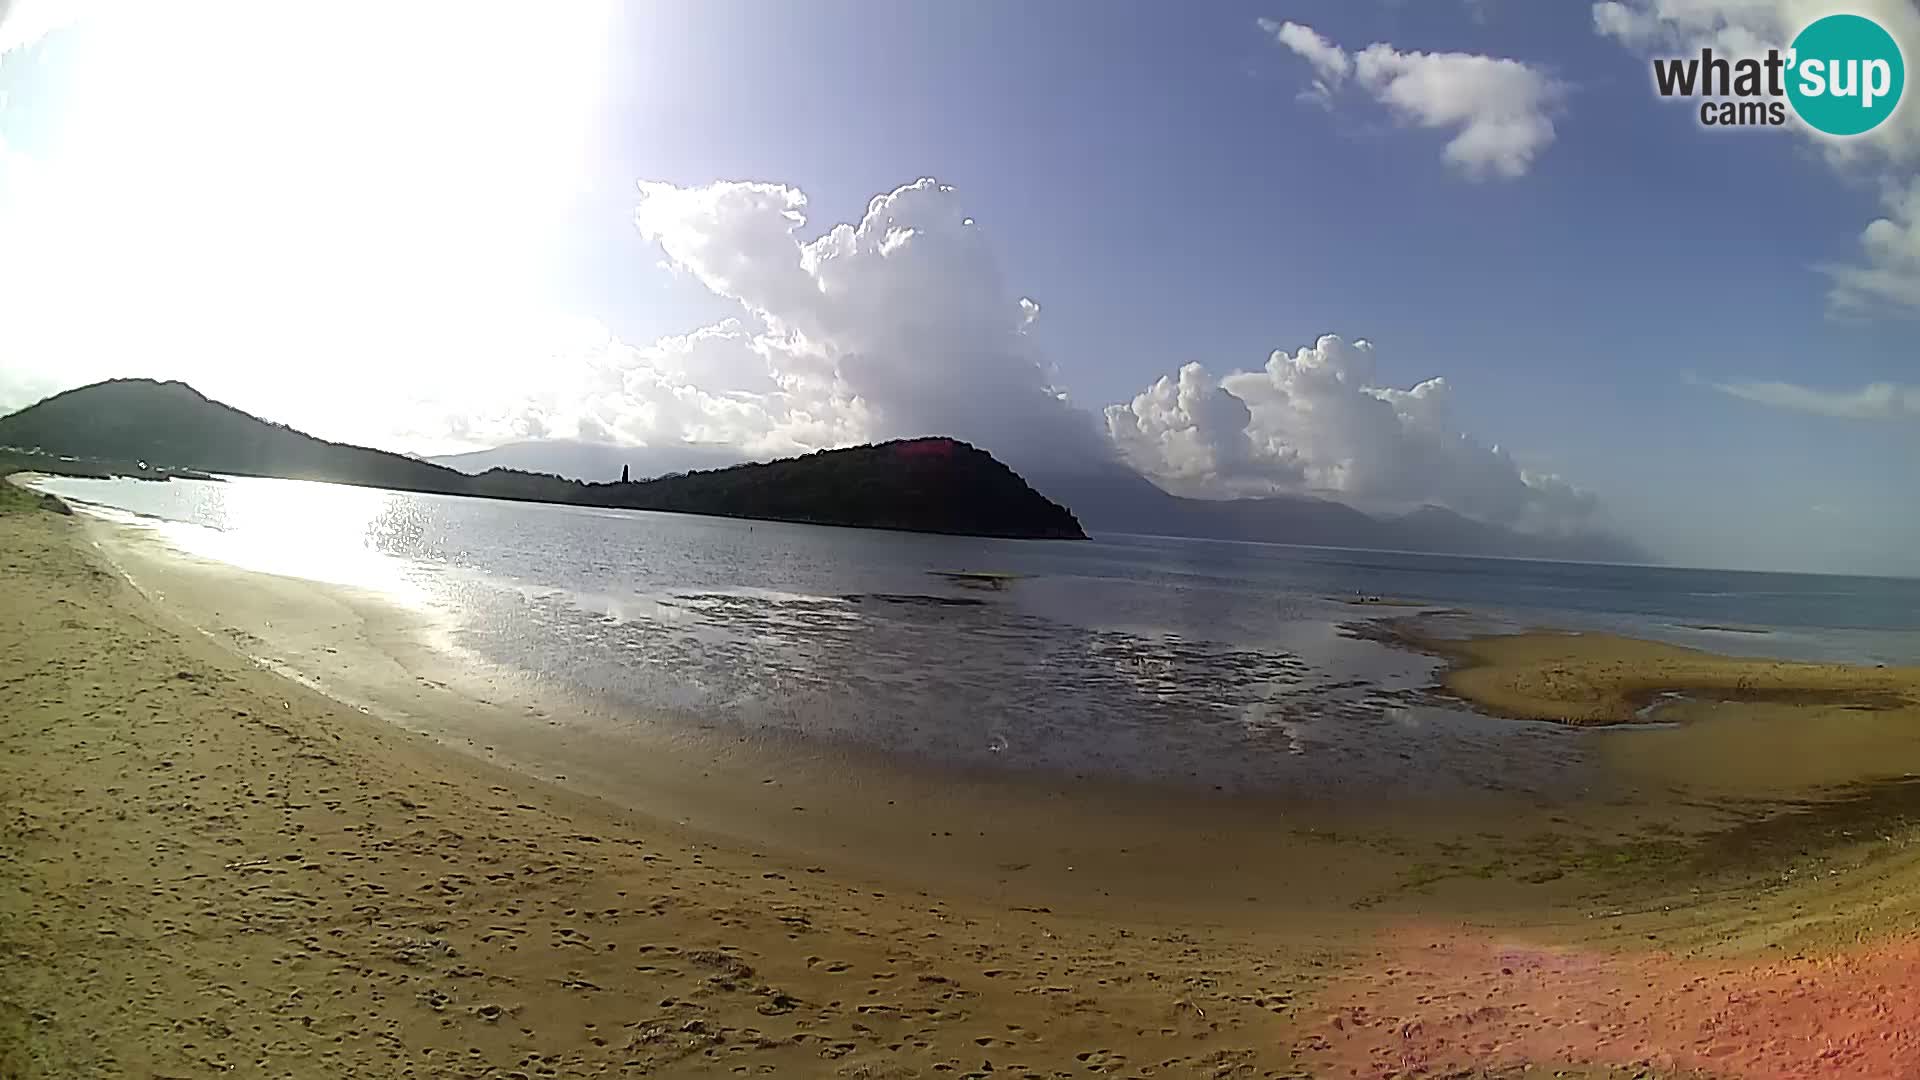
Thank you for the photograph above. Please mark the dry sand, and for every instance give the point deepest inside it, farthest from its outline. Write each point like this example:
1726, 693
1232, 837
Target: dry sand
208, 869
211, 870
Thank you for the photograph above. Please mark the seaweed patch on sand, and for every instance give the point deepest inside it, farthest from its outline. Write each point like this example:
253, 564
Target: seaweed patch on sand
1595, 679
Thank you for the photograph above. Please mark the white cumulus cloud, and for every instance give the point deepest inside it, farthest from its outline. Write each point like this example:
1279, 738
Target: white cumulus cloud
899, 324
1499, 110
1316, 420
903, 324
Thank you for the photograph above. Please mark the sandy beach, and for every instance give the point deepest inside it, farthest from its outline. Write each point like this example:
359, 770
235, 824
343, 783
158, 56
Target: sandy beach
210, 867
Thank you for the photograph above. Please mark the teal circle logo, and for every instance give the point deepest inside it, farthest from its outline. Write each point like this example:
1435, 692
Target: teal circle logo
1845, 75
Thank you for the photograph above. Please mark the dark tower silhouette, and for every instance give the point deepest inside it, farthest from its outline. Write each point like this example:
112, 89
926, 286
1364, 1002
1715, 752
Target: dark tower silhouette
623, 475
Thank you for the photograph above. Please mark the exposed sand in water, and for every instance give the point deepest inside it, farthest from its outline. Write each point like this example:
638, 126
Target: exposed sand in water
1578, 678
208, 869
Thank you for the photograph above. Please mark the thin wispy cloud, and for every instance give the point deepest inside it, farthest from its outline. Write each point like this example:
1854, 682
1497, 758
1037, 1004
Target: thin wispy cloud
1331, 64
1886, 279
1880, 401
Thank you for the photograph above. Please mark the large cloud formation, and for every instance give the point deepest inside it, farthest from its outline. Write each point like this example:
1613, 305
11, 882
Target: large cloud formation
1316, 420
1500, 110
900, 324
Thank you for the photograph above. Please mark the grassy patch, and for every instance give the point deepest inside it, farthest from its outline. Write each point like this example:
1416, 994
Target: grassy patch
1848, 828
15, 499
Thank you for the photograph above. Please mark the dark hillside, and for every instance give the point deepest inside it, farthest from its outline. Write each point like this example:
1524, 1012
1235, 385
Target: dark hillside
921, 485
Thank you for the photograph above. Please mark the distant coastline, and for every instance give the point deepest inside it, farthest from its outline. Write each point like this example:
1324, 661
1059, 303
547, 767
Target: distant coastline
158, 431
934, 484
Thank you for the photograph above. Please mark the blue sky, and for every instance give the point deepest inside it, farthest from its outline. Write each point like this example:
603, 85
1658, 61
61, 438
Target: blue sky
1153, 178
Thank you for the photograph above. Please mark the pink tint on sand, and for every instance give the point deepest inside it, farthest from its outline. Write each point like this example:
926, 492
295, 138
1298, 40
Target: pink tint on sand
1432, 1002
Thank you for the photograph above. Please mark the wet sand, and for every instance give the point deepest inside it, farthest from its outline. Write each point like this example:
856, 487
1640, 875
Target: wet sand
1083, 842
1578, 678
210, 868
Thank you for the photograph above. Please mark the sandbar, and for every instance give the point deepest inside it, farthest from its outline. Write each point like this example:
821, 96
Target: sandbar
1594, 678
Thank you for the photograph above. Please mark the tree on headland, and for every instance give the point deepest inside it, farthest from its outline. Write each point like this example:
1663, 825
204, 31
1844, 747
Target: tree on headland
921, 485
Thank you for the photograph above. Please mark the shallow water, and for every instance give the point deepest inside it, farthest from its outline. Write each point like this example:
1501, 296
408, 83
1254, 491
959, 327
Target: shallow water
1211, 664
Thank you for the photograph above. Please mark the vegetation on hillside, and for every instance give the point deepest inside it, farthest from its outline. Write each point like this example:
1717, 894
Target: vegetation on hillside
922, 485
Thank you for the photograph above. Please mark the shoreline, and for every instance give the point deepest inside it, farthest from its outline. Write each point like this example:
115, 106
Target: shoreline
1094, 844
1034, 839
281, 885
208, 867
22, 465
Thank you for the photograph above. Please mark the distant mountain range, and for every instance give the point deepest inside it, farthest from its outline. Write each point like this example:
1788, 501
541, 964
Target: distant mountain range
919, 485
1114, 498
899, 485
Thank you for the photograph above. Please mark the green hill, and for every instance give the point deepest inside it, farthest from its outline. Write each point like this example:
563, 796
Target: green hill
921, 485
926, 485
171, 424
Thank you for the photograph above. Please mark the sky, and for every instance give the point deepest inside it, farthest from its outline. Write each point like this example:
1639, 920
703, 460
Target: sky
1393, 252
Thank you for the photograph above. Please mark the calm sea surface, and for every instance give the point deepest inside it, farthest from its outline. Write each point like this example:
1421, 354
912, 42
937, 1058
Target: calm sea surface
1189, 661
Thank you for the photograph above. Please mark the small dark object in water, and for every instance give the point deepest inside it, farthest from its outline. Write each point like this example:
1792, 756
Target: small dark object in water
977, 579
917, 598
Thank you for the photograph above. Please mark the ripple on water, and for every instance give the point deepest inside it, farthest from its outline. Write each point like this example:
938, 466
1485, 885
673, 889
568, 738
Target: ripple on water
960, 681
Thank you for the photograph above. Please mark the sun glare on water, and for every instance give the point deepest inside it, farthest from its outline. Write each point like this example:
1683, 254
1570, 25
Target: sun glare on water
294, 528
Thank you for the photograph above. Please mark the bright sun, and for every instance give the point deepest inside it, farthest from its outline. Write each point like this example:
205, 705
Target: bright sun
228, 190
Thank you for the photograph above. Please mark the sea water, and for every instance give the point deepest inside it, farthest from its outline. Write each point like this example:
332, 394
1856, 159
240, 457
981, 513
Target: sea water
1219, 664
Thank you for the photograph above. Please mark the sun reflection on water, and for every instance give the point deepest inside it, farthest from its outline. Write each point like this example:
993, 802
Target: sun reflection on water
296, 528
